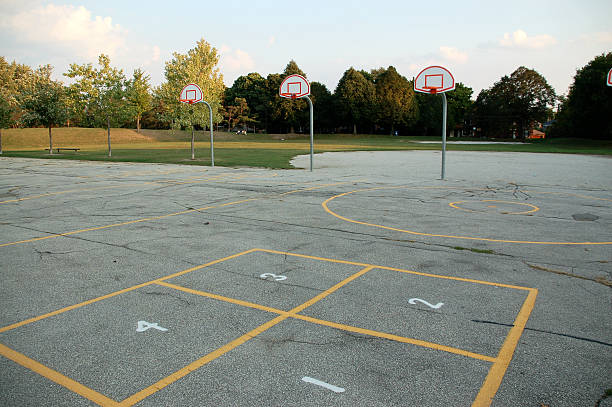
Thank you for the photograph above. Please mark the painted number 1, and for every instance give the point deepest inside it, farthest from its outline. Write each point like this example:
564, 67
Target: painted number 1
274, 276
413, 301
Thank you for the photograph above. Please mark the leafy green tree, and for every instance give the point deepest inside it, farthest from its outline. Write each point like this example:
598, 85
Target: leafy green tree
44, 105
17, 80
252, 88
396, 102
459, 105
139, 94
199, 66
237, 114
6, 116
515, 102
356, 97
587, 110
293, 112
100, 95
324, 105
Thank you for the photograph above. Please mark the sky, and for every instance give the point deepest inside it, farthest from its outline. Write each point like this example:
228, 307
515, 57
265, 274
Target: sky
478, 41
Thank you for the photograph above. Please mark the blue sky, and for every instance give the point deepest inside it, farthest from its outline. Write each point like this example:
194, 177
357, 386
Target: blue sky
479, 41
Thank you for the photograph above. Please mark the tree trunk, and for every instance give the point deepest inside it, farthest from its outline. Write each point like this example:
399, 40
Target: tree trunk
354, 129
138, 123
50, 142
192, 149
110, 152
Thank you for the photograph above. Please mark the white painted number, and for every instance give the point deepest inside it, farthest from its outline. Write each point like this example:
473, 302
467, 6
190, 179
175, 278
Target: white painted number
144, 325
328, 386
274, 276
413, 301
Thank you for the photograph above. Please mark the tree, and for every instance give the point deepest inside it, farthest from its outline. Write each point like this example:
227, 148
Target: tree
396, 103
515, 102
44, 105
459, 106
252, 88
292, 112
237, 114
587, 110
139, 94
100, 95
355, 95
6, 116
199, 66
324, 104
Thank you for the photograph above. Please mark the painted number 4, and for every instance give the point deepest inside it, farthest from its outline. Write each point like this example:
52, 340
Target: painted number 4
144, 325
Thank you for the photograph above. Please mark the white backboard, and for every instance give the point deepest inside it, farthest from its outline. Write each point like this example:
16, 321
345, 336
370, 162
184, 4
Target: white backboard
434, 79
191, 93
294, 86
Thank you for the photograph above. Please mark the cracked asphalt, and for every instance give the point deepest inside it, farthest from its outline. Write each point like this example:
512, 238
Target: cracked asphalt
369, 274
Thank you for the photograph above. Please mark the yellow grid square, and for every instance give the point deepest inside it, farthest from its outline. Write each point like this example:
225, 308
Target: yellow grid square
484, 397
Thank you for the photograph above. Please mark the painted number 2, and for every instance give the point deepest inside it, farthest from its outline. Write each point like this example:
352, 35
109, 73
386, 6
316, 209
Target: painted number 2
413, 301
274, 276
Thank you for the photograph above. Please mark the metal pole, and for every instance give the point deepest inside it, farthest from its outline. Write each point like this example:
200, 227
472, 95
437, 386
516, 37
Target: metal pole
192, 149
443, 133
311, 130
212, 148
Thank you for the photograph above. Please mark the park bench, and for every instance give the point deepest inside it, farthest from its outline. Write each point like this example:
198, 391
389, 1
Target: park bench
64, 148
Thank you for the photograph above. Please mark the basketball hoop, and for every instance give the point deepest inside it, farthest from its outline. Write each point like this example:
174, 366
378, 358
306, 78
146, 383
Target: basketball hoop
432, 89
191, 94
293, 96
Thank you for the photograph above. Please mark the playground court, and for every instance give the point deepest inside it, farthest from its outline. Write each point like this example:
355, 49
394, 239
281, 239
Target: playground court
368, 281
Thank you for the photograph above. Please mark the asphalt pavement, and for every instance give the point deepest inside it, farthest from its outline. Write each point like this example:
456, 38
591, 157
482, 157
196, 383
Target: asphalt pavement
368, 281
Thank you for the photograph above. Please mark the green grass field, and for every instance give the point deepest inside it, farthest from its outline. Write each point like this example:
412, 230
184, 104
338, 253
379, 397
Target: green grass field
253, 150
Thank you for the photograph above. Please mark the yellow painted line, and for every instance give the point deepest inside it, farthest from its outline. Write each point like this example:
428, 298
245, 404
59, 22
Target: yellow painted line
498, 369
326, 208
74, 232
335, 325
330, 290
312, 188
396, 338
56, 377
418, 273
157, 182
488, 389
231, 345
141, 395
71, 307
223, 298
534, 208
71, 190
113, 294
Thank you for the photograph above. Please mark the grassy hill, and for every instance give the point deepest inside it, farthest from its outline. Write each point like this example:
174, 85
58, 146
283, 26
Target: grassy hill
257, 150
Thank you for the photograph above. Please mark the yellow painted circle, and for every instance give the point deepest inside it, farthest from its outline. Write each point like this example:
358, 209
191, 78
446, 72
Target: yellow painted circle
533, 208
412, 232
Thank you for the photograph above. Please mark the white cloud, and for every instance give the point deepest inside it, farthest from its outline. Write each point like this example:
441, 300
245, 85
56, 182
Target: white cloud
520, 39
235, 60
453, 55
67, 26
